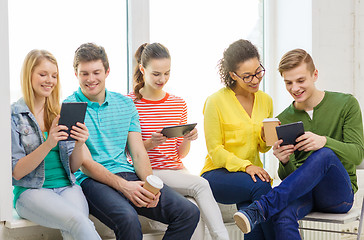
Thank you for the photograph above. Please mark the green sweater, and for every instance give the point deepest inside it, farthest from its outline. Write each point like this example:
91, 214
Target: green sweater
338, 117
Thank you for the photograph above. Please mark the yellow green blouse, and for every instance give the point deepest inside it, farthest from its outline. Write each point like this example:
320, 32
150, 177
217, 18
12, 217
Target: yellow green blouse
233, 138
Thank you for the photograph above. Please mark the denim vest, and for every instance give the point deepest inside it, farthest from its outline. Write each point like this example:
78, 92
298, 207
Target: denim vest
26, 136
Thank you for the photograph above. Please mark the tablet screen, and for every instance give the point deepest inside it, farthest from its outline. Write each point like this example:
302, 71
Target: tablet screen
71, 113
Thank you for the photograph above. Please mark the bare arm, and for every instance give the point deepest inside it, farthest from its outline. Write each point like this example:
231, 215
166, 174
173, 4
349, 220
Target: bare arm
141, 164
80, 152
139, 155
184, 148
27, 164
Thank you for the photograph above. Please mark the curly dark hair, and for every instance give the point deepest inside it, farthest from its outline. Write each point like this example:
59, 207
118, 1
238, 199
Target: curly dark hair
238, 52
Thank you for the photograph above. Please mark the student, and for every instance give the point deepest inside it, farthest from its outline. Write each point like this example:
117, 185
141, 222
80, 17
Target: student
319, 172
114, 187
44, 185
158, 109
233, 130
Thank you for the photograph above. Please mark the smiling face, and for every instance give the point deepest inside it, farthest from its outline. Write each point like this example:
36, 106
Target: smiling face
244, 69
44, 79
300, 83
91, 76
156, 74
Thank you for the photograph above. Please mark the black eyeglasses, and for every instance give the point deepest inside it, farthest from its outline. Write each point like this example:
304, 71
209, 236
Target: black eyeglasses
259, 75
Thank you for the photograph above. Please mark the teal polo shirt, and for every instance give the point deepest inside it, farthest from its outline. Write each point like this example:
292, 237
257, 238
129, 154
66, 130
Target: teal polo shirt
108, 125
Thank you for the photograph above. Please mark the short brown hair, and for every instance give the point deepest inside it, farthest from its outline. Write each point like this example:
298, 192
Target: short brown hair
293, 59
88, 52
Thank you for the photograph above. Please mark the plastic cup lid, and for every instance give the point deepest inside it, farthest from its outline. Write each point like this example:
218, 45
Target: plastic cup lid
155, 181
271, 120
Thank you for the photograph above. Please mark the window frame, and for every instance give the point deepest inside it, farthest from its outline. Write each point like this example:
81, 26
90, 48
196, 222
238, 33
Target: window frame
5, 140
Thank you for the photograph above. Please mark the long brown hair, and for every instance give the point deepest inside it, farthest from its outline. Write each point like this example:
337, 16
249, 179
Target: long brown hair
143, 55
51, 105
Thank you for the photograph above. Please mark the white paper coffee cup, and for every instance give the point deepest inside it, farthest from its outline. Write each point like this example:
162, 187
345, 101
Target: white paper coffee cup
153, 184
270, 132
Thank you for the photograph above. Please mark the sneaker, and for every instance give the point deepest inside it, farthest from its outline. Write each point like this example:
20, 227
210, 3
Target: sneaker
243, 221
248, 218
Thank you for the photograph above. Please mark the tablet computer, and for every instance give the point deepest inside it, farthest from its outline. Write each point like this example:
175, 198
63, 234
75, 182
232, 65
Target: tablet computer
178, 130
290, 132
71, 113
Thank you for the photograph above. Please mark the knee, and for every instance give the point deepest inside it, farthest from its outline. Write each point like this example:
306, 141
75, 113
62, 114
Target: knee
127, 219
325, 153
202, 185
79, 223
260, 188
191, 213
323, 156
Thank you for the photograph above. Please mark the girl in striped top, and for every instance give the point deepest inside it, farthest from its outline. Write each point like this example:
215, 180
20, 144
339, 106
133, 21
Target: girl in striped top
158, 109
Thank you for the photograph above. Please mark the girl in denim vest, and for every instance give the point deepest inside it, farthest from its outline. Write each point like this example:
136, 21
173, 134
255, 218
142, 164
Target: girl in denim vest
42, 164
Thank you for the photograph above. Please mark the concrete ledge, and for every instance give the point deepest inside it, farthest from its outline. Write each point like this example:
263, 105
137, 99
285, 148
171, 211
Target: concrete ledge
152, 230
18, 222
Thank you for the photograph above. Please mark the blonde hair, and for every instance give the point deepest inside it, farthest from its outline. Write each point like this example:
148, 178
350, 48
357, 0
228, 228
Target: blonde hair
51, 105
293, 59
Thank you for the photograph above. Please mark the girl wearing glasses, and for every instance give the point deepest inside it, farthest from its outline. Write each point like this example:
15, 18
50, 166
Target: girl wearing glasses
158, 109
233, 130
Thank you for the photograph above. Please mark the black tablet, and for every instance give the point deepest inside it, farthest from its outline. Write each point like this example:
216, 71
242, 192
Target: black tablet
71, 113
178, 130
290, 132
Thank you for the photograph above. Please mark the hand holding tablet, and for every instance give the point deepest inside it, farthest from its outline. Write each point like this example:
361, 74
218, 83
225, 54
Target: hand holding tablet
178, 130
71, 113
290, 132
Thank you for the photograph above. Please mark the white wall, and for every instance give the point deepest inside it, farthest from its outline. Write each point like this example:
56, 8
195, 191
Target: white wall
338, 51
333, 34
5, 160
359, 52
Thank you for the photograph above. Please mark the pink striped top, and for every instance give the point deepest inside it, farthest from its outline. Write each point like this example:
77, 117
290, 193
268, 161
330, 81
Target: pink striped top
153, 116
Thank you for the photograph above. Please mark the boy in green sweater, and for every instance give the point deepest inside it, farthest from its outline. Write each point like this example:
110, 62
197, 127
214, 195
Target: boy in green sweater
319, 172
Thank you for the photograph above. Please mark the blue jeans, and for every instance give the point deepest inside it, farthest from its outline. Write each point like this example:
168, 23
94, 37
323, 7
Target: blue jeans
113, 209
60, 208
320, 184
240, 189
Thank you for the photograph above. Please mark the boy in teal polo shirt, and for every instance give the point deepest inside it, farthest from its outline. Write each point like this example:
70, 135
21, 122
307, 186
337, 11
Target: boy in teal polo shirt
319, 172
113, 187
